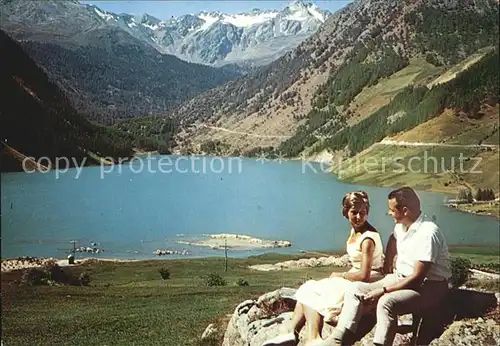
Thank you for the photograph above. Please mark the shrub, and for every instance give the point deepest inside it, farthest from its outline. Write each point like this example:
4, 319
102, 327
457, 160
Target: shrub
55, 273
214, 279
459, 271
242, 282
32, 277
84, 279
51, 273
165, 273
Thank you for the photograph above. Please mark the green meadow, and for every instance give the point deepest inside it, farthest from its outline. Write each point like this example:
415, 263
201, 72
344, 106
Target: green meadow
130, 304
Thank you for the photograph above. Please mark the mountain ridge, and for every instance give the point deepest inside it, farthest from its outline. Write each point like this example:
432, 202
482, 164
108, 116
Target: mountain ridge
205, 37
108, 73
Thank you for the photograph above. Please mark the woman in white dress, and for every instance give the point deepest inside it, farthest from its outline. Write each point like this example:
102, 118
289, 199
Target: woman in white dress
322, 300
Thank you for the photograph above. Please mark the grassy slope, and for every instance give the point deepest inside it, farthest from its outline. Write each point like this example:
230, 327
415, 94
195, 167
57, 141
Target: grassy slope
453, 128
372, 98
376, 166
449, 128
129, 304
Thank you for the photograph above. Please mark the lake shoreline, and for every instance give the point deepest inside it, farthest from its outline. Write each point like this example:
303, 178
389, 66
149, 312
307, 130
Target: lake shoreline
302, 259
495, 213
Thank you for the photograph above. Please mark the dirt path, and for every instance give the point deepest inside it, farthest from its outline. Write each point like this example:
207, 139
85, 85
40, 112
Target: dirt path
434, 144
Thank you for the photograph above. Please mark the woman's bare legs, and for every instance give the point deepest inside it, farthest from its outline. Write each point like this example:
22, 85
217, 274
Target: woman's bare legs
298, 319
301, 314
314, 324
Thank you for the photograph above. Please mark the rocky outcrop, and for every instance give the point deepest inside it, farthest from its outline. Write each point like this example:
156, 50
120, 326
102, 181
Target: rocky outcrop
25, 262
89, 249
305, 263
470, 332
255, 321
161, 252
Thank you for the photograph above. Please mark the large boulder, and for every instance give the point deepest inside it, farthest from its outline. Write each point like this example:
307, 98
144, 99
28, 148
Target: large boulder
255, 321
470, 332
335, 261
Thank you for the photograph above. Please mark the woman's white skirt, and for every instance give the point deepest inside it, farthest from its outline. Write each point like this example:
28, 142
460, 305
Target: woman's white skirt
326, 296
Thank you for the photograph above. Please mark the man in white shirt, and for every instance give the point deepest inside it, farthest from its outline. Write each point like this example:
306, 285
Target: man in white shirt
420, 280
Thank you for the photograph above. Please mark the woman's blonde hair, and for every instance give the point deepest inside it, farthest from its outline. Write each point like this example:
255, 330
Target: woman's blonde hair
352, 198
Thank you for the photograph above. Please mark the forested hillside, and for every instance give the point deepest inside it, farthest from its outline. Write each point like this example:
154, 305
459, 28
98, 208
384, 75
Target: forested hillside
37, 119
153, 133
120, 81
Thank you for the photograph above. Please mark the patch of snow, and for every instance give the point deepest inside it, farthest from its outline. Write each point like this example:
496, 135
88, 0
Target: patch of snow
131, 25
315, 12
247, 20
103, 15
209, 20
299, 16
152, 27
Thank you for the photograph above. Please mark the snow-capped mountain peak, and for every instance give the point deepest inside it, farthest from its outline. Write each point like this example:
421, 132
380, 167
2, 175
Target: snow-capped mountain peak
209, 19
246, 20
301, 11
213, 38
240, 20
103, 14
217, 38
317, 13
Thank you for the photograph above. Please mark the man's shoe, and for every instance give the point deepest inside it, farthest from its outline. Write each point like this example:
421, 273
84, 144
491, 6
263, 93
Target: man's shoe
282, 340
338, 338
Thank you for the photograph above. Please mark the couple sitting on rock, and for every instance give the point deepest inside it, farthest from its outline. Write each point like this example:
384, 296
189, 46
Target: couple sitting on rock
418, 281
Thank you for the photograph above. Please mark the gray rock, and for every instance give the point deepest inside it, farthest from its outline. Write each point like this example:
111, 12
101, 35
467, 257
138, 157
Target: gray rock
255, 321
470, 333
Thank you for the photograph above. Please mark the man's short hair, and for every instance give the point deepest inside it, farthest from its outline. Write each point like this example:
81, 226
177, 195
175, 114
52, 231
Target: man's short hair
405, 197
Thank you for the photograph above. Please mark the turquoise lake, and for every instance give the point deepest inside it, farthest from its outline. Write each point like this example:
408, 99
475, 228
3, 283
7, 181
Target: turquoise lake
131, 212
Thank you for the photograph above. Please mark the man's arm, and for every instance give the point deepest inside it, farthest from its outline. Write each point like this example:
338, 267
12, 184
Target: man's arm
391, 252
414, 280
425, 255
